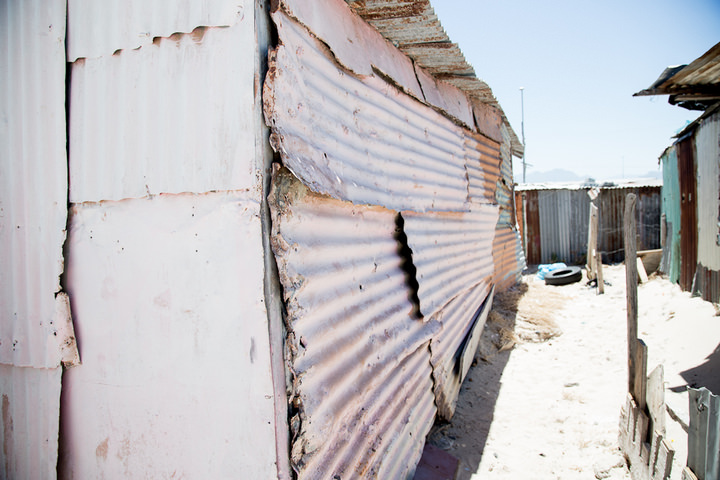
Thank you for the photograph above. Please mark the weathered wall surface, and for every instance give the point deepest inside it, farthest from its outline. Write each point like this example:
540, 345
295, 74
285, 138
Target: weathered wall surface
165, 254
35, 324
384, 226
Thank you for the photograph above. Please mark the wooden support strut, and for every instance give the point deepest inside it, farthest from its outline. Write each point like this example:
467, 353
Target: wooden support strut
637, 351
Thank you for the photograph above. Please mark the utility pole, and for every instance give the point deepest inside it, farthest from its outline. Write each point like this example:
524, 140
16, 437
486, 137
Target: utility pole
522, 128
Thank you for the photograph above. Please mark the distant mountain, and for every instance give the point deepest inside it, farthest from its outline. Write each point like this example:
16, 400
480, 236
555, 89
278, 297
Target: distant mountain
554, 175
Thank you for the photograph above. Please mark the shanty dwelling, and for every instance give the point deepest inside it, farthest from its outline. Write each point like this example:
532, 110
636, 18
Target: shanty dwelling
691, 178
554, 219
241, 240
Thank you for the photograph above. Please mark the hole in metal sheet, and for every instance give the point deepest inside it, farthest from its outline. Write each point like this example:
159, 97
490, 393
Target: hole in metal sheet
407, 265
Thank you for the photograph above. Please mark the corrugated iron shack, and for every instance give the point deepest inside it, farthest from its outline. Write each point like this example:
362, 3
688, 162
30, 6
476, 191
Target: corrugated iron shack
691, 174
241, 239
554, 220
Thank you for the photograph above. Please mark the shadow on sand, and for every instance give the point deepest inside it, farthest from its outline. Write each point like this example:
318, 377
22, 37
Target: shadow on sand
466, 434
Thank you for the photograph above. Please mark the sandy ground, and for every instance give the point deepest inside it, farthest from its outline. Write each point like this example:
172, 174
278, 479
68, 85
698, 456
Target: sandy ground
544, 398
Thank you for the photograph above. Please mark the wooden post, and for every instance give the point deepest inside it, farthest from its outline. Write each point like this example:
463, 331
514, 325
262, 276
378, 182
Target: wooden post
591, 268
636, 352
600, 281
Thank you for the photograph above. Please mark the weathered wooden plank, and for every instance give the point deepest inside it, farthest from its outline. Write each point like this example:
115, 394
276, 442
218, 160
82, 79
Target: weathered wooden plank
639, 391
656, 399
600, 281
651, 461
642, 274
631, 287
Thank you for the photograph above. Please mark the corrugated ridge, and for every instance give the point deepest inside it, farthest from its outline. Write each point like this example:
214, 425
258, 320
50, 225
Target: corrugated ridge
398, 419
139, 126
373, 146
509, 258
482, 159
101, 28
707, 144
33, 179
451, 251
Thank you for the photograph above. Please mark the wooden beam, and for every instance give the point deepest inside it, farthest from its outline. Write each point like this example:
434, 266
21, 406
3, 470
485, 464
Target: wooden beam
631, 288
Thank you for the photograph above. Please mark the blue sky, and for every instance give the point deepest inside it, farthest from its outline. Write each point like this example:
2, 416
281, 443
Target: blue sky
580, 62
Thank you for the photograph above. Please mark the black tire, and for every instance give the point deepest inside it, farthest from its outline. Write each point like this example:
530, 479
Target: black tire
563, 276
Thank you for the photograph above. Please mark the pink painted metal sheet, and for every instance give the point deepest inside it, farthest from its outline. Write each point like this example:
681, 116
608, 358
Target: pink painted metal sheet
30, 405
174, 116
99, 29
33, 180
170, 313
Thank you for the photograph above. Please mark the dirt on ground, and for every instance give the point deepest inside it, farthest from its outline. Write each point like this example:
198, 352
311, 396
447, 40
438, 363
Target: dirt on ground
543, 398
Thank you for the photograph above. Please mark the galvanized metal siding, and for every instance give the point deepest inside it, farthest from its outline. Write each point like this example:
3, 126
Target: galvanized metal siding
462, 321
554, 208
101, 28
30, 402
671, 209
451, 251
33, 179
174, 116
359, 140
707, 145
169, 308
359, 357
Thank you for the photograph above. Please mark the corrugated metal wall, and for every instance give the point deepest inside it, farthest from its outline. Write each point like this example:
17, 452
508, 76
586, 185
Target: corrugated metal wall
359, 354
384, 224
670, 264
165, 260
691, 205
687, 177
33, 215
556, 222
611, 204
706, 281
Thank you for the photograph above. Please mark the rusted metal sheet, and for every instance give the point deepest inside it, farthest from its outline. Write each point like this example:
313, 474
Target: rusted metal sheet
102, 28
452, 252
169, 307
33, 180
453, 347
532, 222
362, 389
30, 403
138, 126
693, 86
482, 160
359, 140
416, 31
508, 258
707, 146
706, 283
